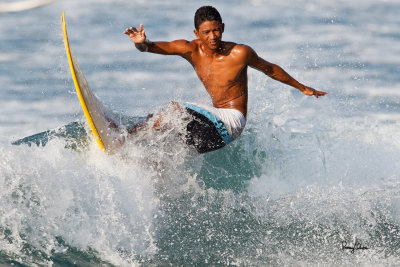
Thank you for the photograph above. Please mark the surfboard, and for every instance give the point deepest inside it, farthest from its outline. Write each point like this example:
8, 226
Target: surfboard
22, 5
96, 114
73, 133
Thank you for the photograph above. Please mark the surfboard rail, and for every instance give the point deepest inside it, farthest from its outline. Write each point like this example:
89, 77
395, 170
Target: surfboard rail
77, 86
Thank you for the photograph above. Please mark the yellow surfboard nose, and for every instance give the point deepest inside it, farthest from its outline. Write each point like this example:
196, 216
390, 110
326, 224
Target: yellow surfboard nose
93, 109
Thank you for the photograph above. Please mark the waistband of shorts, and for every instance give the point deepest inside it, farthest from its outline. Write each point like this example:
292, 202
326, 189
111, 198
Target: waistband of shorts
219, 125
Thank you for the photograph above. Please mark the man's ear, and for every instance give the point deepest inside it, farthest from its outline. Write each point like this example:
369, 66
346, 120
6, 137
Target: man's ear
223, 27
196, 33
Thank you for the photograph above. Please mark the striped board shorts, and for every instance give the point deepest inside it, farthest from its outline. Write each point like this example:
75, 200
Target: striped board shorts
212, 128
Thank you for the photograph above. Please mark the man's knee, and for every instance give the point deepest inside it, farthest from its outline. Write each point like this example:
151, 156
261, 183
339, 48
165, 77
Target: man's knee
175, 105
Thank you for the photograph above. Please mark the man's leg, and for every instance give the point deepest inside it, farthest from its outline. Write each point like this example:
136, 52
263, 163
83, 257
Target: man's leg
172, 107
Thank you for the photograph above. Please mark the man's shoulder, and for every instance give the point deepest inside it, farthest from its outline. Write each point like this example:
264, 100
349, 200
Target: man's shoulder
195, 42
181, 43
191, 45
240, 50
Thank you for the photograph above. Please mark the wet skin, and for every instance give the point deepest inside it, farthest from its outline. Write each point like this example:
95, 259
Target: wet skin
221, 66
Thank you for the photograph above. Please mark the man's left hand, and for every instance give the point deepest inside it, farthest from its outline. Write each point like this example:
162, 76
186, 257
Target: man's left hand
311, 91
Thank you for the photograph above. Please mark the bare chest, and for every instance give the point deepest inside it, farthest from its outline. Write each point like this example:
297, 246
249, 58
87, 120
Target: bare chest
218, 71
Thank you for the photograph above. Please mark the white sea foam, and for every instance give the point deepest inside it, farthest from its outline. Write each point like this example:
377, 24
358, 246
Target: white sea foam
49, 192
306, 174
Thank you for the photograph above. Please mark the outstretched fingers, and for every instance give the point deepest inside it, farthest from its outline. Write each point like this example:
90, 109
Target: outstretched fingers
318, 93
136, 35
311, 91
130, 30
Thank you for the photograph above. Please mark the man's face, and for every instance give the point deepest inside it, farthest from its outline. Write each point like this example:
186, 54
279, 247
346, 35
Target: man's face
210, 33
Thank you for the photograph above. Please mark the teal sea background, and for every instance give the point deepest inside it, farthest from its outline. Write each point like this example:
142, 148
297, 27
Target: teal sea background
308, 180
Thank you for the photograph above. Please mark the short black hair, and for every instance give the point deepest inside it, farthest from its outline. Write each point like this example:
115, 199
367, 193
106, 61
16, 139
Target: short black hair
206, 13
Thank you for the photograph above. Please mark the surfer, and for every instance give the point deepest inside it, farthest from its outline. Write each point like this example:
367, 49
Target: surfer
222, 68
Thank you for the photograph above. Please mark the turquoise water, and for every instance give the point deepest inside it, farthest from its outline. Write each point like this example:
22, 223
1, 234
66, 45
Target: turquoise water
306, 178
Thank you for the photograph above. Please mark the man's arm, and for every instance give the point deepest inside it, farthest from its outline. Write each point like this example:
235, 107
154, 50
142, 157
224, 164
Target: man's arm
279, 74
138, 37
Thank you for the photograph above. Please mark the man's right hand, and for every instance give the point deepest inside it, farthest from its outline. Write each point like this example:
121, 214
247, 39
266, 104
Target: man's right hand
137, 36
